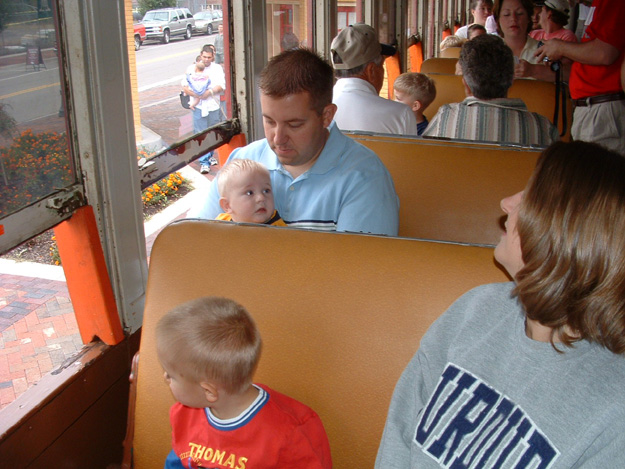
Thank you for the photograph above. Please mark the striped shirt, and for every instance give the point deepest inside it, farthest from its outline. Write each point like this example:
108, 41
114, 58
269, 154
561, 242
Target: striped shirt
502, 120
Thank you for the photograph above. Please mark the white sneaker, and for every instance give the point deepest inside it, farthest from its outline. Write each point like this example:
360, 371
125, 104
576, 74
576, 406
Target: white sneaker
213, 161
204, 169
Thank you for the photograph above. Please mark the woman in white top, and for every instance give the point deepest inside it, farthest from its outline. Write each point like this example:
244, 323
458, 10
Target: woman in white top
480, 10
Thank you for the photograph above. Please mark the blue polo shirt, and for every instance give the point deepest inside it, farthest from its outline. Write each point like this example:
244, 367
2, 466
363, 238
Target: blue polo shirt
347, 189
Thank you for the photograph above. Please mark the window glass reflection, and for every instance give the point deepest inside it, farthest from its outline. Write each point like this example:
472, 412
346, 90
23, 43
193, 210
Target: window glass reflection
34, 152
349, 12
160, 70
288, 25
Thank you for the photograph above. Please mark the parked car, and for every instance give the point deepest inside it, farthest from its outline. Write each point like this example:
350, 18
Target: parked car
164, 23
139, 35
207, 21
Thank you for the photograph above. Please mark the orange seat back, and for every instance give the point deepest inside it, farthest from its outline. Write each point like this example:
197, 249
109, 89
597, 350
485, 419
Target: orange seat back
340, 316
437, 65
450, 191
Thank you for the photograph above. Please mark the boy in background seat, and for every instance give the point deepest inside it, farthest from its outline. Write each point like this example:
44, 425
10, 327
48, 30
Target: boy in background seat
417, 91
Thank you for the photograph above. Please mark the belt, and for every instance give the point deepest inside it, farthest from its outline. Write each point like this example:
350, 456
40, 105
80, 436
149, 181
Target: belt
604, 98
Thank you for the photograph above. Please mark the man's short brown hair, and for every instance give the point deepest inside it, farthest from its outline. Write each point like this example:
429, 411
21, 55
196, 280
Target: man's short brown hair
208, 48
572, 230
210, 339
297, 71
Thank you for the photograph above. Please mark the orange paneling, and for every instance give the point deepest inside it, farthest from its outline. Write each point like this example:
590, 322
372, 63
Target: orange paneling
87, 277
393, 69
225, 150
415, 52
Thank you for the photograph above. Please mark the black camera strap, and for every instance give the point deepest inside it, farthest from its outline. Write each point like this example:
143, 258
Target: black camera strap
556, 66
560, 90
555, 111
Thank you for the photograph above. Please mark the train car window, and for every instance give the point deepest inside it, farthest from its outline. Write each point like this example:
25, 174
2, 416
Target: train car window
386, 15
288, 26
38, 175
169, 133
349, 12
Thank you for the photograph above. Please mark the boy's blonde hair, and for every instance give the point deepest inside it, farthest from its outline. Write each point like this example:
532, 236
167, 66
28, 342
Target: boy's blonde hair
418, 86
200, 66
234, 169
451, 41
210, 339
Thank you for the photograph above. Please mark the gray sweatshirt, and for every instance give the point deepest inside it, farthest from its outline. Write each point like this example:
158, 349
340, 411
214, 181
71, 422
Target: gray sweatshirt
480, 394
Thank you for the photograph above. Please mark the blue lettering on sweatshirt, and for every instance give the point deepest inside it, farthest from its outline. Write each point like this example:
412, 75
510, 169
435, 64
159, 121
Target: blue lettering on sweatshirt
468, 424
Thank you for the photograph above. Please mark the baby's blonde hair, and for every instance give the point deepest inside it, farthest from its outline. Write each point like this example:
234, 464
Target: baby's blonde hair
234, 169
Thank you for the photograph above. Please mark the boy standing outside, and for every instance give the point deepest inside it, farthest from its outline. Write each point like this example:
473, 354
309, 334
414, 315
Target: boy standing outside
209, 349
246, 194
417, 91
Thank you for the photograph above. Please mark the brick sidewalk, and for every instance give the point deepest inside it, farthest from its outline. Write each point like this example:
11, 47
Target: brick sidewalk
38, 330
40, 335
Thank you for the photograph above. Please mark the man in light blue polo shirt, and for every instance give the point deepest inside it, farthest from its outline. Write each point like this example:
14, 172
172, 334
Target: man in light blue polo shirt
321, 179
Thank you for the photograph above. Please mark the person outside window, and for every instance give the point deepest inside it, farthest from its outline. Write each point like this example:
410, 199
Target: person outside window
215, 74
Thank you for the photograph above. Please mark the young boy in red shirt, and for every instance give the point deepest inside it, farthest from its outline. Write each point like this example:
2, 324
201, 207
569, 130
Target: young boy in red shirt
209, 349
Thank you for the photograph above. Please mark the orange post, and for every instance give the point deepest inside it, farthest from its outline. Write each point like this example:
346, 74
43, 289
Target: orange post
393, 70
415, 53
87, 277
224, 151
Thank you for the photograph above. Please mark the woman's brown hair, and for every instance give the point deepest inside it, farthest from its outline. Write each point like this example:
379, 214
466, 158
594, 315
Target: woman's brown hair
572, 231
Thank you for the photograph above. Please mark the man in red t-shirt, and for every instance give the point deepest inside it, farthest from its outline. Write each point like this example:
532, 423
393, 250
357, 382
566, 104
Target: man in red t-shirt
595, 75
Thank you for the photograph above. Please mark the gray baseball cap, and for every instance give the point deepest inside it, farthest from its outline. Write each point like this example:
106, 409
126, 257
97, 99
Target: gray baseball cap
357, 45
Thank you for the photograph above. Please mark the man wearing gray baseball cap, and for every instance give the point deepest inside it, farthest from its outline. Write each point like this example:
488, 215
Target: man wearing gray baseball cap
358, 59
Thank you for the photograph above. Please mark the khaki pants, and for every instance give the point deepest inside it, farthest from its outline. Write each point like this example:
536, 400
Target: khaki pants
602, 123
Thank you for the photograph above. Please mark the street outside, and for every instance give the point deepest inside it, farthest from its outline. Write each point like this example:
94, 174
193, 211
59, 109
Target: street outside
31, 94
38, 330
160, 69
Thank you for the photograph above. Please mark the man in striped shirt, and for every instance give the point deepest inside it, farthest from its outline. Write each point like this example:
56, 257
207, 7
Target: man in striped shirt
487, 115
